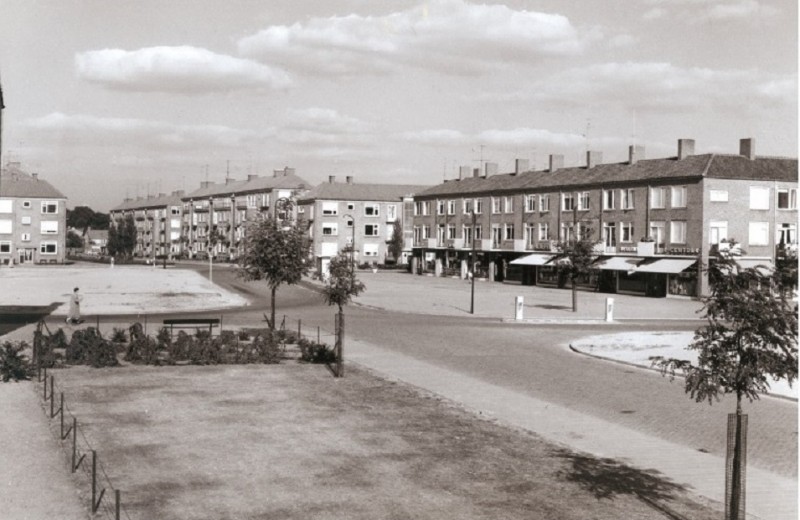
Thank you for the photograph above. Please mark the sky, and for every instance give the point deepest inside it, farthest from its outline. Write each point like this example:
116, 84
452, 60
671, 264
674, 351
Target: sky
110, 99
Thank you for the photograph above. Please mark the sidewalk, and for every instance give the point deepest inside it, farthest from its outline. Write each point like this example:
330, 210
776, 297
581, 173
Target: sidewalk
404, 292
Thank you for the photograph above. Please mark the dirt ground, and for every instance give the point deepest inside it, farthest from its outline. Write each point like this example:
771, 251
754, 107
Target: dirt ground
290, 441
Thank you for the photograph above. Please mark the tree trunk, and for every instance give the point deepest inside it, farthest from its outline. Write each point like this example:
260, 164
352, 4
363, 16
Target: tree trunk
737, 471
340, 354
574, 295
272, 310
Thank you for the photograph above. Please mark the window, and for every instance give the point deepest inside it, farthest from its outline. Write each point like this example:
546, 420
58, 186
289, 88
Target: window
509, 204
759, 197
478, 206
626, 198
175, 210
25, 237
610, 234
440, 234
49, 227
567, 202
467, 206
787, 234
583, 201
371, 230
544, 202
677, 232
530, 203
420, 208
348, 222
451, 207
451, 231
718, 195
495, 205
787, 199
391, 212
657, 198
509, 232
608, 199
466, 232
26, 204
6, 206
530, 234
426, 232
657, 231
5, 227
440, 207
5, 247
351, 206
567, 231
497, 235
252, 200
372, 210
330, 208
371, 249
417, 234
48, 248
478, 232
626, 232
759, 234
544, 231
49, 206
26, 220
678, 197
718, 231
330, 229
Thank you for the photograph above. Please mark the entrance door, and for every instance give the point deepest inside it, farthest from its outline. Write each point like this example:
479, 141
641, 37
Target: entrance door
25, 255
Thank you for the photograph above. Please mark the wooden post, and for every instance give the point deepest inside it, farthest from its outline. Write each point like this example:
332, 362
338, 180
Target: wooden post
95, 502
340, 357
44, 397
52, 398
74, 443
299, 329
735, 466
317, 334
116, 504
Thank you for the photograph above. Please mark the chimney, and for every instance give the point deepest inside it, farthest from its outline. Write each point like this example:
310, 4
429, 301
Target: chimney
180, 193
228, 180
635, 153
685, 148
331, 179
476, 172
521, 165
489, 169
205, 184
35, 176
288, 171
747, 147
463, 172
251, 176
593, 158
349, 179
556, 162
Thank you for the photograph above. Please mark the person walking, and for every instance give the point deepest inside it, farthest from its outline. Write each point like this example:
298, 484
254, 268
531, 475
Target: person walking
74, 315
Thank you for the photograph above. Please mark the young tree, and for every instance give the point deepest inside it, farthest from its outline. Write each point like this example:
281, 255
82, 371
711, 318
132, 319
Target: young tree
215, 236
396, 242
122, 237
74, 241
341, 285
275, 254
750, 337
576, 260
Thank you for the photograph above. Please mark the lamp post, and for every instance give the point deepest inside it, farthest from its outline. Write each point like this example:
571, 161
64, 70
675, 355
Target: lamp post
352, 243
472, 294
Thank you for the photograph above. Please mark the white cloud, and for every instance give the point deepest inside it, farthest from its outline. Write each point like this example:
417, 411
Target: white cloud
95, 131
324, 127
528, 137
436, 137
176, 69
444, 35
697, 11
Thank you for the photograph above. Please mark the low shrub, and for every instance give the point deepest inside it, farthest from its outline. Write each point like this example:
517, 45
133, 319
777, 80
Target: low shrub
88, 347
14, 365
142, 349
119, 335
45, 346
313, 352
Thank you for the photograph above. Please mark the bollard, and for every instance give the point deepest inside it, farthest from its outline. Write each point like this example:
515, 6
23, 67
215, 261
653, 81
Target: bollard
317, 334
519, 307
609, 309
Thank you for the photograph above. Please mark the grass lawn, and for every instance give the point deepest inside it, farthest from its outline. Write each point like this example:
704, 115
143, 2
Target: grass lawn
291, 442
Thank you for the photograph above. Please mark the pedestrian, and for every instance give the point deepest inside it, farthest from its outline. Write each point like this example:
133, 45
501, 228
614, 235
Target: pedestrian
74, 316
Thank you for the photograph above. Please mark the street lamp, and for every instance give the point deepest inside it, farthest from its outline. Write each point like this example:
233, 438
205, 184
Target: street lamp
352, 242
472, 295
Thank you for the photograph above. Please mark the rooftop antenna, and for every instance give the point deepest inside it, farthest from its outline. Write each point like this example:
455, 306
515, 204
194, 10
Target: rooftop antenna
444, 170
588, 129
227, 170
206, 172
634, 127
481, 161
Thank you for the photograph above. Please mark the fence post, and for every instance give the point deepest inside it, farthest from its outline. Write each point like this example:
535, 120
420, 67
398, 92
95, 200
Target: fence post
117, 503
61, 411
340, 359
44, 397
74, 443
95, 502
52, 398
299, 329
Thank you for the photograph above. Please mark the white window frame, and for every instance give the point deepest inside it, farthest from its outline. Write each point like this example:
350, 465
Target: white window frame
530, 203
478, 206
717, 231
6, 226
451, 231
658, 197
508, 232
495, 205
679, 196
48, 227
330, 209
372, 210
25, 220
718, 195
758, 233
25, 237
677, 232
543, 231
759, 197
627, 198
544, 203
391, 212
46, 206
371, 249
791, 198
567, 201
508, 204
467, 205
332, 227
44, 245
451, 207
376, 230
26, 204
608, 199
626, 232
583, 201
440, 207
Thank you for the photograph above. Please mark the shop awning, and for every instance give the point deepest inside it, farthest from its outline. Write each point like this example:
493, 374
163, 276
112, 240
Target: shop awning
617, 263
534, 259
666, 265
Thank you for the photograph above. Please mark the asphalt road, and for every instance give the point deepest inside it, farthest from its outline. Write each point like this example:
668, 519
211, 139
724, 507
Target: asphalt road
534, 359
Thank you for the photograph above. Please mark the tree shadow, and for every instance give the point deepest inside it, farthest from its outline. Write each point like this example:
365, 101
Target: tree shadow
552, 307
608, 478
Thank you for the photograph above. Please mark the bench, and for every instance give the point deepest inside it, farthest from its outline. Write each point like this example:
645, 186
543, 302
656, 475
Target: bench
192, 323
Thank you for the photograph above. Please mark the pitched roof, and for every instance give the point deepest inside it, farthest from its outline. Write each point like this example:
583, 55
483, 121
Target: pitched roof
15, 183
151, 202
256, 184
646, 170
365, 192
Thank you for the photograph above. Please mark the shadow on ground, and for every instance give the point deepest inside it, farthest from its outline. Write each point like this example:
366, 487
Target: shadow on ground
13, 317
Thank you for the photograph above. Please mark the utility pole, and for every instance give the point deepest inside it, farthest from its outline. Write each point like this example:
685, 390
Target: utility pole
472, 295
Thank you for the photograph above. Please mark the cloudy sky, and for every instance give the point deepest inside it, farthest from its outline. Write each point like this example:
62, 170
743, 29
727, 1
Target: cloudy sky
110, 98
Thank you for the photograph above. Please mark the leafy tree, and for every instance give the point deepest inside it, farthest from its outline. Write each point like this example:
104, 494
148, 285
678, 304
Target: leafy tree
396, 242
84, 217
341, 285
74, 241
750, 337
276, 254
122, 237
576, 260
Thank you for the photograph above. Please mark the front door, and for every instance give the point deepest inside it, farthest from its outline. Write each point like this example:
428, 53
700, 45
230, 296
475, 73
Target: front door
25, 255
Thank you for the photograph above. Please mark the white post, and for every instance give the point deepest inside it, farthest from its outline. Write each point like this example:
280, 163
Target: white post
609, 309
518, 307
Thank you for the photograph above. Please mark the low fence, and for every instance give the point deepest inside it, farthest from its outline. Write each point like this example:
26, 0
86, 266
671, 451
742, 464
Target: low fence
102, 503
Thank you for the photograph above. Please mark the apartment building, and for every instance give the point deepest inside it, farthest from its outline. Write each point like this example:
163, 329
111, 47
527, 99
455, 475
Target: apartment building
656, 221
362, 216
33, 219
158, 223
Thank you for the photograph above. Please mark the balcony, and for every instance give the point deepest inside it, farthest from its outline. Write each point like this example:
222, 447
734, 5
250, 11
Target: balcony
646, 249
545, 245
519, 245
430, 243
455, 243
484, 244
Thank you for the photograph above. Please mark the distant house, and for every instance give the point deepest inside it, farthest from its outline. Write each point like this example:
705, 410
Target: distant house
95, 241
33, 219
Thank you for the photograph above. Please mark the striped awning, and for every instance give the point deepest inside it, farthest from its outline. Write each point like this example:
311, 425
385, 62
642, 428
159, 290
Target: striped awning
617, 263
666, 265
534, 259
